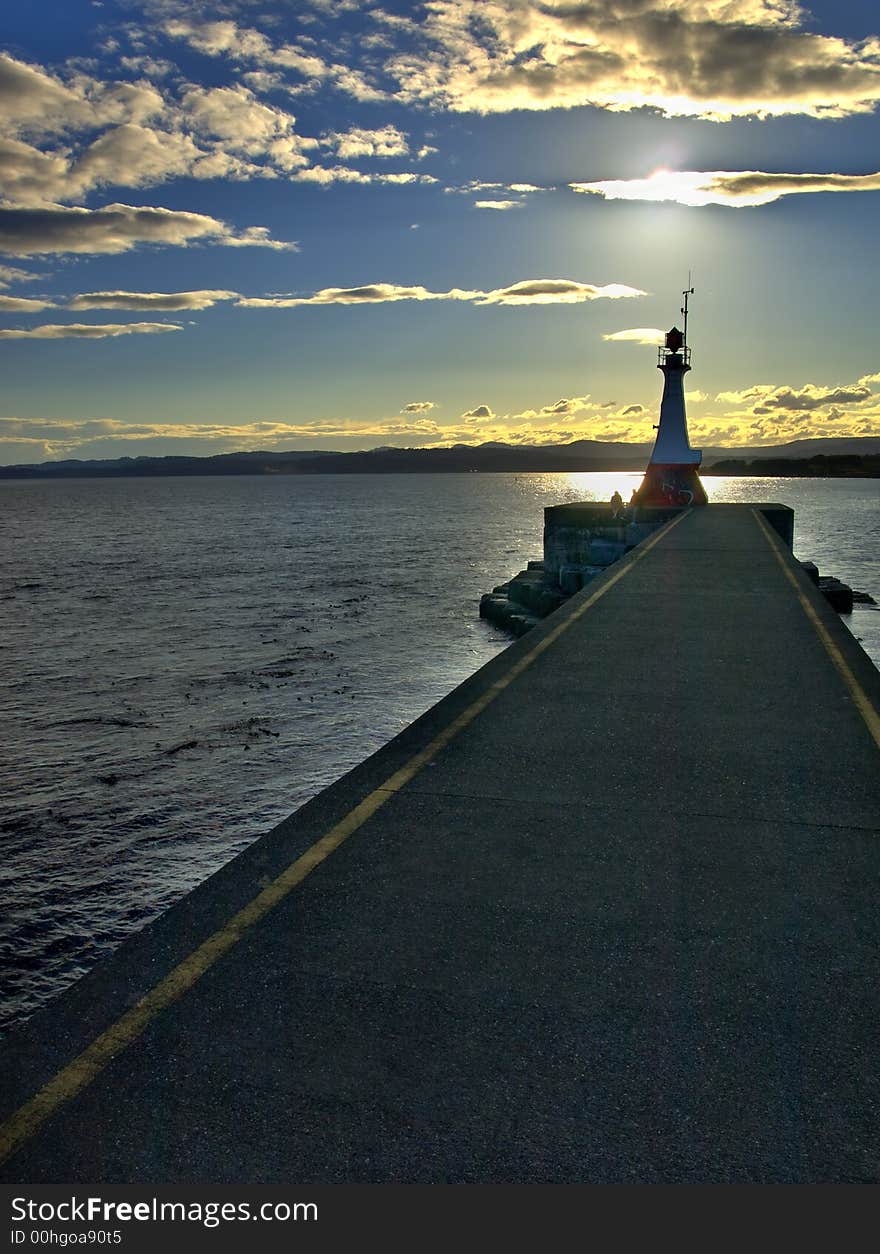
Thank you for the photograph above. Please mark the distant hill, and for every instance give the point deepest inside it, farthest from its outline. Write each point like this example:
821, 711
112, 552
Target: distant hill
819, 466
839, 456
834, 446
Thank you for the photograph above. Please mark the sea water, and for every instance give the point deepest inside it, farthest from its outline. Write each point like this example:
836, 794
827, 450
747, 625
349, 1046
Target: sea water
185, 661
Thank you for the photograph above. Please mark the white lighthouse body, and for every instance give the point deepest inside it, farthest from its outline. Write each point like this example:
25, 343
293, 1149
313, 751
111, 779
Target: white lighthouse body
672, 446
671, 477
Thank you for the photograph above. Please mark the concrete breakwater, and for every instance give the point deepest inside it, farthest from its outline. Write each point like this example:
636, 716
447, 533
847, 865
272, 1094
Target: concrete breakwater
592, 918
582, 540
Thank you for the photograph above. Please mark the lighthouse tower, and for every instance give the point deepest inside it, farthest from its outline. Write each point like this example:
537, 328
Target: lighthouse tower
671, 477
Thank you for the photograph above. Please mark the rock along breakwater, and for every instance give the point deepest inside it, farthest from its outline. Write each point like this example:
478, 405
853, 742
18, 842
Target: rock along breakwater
582, 540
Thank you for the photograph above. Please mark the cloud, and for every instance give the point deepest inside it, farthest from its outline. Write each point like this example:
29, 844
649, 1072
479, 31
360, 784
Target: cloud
38, 439
560, 421
166, 301
225, 37
481, 185
263, 80
712, 59
527, 292
556, 292
155, 67
37, 106
474, 185
733, 421
636, 335
565, 407
765, 398
498, 204
738, 189
237, 123
138, 156
64, 138
66, 133
33, 101
254, 237
246, 45
371, 294
772, 413
235, 114
29, 175
326, 175
128, 155
219, 132
571, 417
18, 304
83, 331
116, 229
12, 274
386, 141
417, 407
31, 98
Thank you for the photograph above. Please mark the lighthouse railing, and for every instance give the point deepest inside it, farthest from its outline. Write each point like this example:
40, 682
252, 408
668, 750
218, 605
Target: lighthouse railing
683, 354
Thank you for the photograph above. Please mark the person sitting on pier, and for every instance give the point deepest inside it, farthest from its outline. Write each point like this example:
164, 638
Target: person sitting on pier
631, 509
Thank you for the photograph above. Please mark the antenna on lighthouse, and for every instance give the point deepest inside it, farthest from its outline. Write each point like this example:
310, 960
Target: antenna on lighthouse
689, 291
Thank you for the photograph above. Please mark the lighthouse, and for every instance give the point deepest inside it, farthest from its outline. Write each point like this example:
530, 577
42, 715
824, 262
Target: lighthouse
671, 477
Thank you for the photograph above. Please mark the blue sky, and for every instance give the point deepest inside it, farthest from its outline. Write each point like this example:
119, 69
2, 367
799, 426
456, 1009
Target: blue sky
342, 224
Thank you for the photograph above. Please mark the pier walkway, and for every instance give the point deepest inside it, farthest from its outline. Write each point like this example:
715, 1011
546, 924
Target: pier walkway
607, 913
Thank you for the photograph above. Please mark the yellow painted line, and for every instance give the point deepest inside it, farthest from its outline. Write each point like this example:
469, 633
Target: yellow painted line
79, 1073
863, 702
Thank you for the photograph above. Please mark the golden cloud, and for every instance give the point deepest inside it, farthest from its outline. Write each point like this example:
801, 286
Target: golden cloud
771, 413
30, 439
764, 397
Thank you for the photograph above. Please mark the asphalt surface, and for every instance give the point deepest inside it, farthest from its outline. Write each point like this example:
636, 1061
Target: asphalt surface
623, 927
